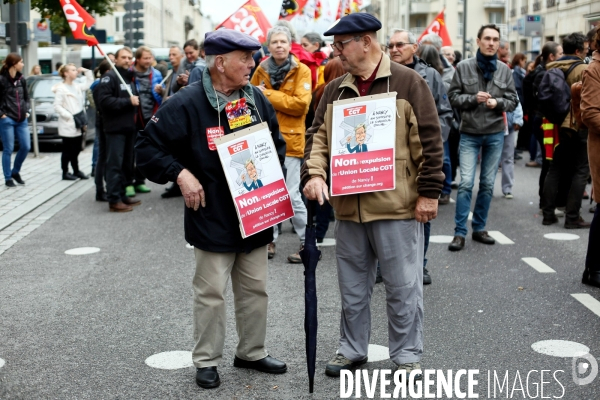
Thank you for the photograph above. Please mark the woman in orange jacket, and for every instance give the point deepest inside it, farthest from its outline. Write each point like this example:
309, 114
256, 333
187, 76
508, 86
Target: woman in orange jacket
287, 84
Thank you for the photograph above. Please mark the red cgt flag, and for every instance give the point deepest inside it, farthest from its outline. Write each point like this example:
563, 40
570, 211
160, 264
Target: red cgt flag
249, 19
438, 26
291, 8
79, 20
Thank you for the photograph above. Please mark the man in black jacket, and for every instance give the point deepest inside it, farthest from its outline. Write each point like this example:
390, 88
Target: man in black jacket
118, 115
178, 146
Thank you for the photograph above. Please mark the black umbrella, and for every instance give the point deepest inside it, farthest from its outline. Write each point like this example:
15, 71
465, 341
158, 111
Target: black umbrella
310, 255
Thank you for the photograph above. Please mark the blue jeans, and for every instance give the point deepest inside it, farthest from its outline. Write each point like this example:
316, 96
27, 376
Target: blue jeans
491, 150
447, 170
8, 128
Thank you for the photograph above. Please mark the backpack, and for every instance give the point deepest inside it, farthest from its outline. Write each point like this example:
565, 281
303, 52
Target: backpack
554, 94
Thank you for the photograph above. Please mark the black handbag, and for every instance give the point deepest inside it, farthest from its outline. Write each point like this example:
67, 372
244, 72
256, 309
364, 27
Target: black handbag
80, 120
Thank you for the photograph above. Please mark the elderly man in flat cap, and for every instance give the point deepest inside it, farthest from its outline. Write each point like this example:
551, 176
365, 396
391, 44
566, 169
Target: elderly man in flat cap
385, 225
178, 145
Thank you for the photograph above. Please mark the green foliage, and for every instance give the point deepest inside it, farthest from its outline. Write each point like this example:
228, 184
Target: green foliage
58, 22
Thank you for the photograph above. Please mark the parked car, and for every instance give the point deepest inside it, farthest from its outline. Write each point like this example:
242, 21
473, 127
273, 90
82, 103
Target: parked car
40, 89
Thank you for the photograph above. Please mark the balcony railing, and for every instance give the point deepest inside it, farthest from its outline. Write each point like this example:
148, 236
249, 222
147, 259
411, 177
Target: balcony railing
550, 3
524, 9
494, 3
537, 6
417, 30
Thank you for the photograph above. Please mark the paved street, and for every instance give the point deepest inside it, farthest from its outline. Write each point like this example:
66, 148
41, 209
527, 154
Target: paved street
84, 326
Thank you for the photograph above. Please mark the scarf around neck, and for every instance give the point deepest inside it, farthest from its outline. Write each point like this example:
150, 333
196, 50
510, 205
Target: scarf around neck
211, 94
487, 64
277, 73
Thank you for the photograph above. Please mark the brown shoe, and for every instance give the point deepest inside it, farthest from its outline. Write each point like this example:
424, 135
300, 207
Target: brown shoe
271, 249
533, 164
131, 201
295, 258
119, 207
444, 198
579, 224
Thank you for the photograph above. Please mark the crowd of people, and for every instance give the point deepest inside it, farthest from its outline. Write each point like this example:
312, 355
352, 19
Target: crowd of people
482, 111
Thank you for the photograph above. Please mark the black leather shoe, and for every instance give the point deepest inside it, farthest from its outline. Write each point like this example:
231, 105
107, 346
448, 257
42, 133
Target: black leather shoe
101, 197
550, 221
69, 177
579, 224
458, 243
268, 364
81, 175
426, 277
207, 378
173, 191
18, 179
483, 237
591, 278
444, 199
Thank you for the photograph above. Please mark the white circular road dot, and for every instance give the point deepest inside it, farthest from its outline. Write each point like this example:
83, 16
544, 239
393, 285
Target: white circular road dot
378, 353
440, 239
188, 246
561, 236
560, 348
80, 251
2, 362
327, 242
170, 360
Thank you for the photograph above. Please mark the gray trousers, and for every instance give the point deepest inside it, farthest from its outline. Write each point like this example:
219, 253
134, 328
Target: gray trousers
398, 245
507, 161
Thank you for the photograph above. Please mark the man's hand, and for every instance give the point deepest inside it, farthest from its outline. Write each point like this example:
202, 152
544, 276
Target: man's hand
482, 97
491, 103
426, 209
316, 189
192, 190
135, 100
182, 79
158, 89
516, 127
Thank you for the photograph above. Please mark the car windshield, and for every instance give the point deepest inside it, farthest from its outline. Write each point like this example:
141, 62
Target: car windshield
43, 88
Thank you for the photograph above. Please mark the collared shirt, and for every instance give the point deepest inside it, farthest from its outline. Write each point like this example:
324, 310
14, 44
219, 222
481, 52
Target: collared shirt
364, 85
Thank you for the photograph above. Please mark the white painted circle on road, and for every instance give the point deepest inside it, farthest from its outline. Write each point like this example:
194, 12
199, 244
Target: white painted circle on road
560, 348
2, 362
378, 353
170, 360
80, 251
188, 246
440, 239
327, 242
561, 236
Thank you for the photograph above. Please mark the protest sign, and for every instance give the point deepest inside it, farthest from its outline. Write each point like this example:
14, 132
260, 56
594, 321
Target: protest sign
363, 145
255, 178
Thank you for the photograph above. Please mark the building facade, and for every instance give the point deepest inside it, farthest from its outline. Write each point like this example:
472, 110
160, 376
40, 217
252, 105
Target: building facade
154, 23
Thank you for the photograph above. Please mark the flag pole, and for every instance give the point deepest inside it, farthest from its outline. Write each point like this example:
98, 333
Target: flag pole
115, 69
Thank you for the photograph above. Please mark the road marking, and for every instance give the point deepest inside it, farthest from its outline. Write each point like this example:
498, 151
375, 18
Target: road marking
470, 218
378, 353
440, 239
587, 300
538, 265
560, 348
327, 242
500, 238
2, 362
561, 236
170, 360
80, 251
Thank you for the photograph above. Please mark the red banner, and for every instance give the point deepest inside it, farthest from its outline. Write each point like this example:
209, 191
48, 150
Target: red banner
348, 7
264, 207
249, 19
371, 171
291, 8
438, 26
79, 20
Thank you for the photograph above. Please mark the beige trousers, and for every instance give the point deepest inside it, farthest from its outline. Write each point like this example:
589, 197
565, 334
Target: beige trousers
249, 281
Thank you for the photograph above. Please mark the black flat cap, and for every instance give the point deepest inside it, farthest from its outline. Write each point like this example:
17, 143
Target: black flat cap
354, 23
226, 40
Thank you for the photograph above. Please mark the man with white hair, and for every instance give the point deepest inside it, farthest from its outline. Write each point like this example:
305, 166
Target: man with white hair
178, 145
504, 52
437, 42
448, 52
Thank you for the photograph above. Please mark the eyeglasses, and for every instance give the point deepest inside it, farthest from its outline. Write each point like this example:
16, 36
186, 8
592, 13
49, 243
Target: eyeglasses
398, 45
339, 45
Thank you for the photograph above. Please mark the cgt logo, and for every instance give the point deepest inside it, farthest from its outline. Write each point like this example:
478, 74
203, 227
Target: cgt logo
582, 365
350, 112
236, 148
72, 15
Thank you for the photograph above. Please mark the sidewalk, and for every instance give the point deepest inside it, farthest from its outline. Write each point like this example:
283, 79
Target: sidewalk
24, 208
